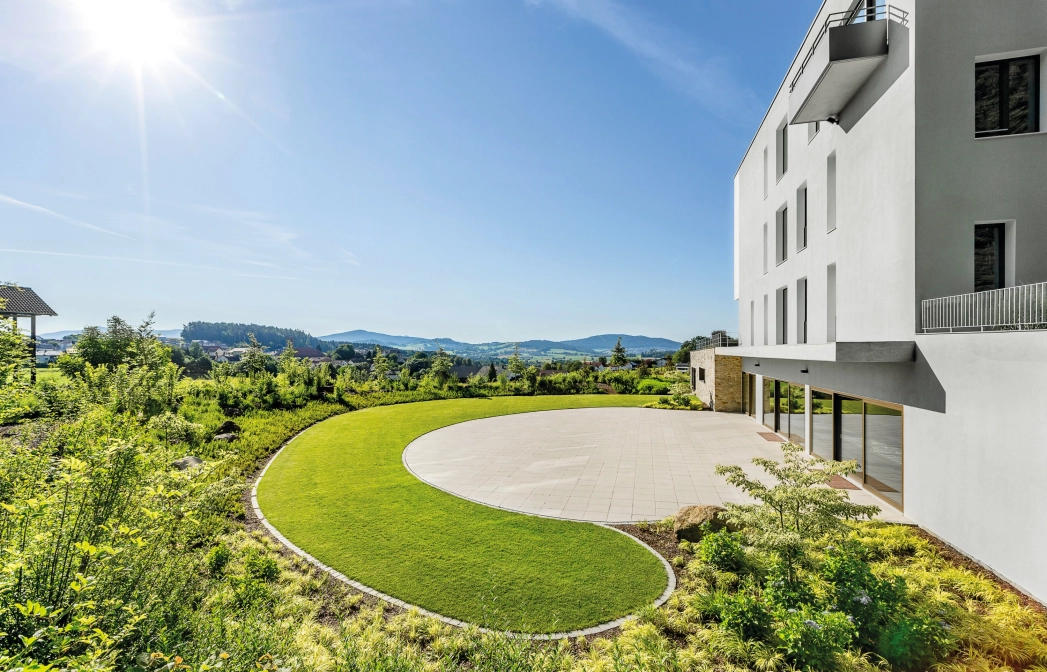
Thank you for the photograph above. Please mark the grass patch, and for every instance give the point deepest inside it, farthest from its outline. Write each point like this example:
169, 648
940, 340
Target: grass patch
50, 373
340, 492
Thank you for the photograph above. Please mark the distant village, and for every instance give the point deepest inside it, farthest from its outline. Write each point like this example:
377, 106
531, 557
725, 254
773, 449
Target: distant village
357, 355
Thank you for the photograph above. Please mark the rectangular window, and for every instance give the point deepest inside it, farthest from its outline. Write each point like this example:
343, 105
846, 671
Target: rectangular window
822, 424
813, 129
830, 303
694, 385
801, 310
781, 236
765, 249
752, 323
801, 218
848, 413
883, 451
783, 416
782, 147
989, 255
770, 388
765, 172
782, 316
1007, 97
765, 319
830, 194
701, 374
797, 414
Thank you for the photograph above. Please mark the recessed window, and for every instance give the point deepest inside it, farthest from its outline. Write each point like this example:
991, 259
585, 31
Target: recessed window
701, 374
781, 247
830, 193
765, 248
801, 218
752, 323
765, 167
782, 316
989, 255
801, 310
830, 303
766, 317
813, 129
1007, 97
782, 147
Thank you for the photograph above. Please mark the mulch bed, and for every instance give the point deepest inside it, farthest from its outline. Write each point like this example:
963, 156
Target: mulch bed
663, 542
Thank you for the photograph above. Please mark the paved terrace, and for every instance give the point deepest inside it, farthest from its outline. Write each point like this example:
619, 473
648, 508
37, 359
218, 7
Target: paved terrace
611, 465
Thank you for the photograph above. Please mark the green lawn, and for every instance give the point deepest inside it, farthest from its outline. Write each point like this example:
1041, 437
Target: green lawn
49, 373
341, 493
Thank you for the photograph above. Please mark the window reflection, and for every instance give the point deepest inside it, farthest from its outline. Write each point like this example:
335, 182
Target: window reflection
822, 424
850, 414
883, 451
797, 418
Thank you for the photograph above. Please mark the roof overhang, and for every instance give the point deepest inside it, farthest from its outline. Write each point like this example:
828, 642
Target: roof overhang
871, 352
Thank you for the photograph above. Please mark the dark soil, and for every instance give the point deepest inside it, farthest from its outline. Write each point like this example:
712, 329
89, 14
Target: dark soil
664, 542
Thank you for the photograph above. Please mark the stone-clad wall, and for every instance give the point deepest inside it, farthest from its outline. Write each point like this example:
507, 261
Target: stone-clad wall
722, 388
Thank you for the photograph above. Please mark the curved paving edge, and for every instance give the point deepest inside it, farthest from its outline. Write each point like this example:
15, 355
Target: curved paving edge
596, 629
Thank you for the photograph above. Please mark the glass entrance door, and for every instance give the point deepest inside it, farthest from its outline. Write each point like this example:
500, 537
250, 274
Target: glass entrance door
883, 450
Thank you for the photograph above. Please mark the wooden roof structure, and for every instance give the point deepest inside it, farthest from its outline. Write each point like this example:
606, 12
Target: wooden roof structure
18, 301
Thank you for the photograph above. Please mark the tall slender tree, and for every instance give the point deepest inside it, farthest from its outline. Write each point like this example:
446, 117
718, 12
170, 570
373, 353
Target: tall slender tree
618, 354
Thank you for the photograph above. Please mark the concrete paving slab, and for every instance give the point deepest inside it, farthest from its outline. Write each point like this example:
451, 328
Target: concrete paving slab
611, 465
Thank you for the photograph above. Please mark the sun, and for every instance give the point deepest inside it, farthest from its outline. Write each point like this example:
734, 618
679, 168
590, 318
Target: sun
139, 31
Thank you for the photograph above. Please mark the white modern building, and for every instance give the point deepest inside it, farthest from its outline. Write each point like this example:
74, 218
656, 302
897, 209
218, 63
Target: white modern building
891, 265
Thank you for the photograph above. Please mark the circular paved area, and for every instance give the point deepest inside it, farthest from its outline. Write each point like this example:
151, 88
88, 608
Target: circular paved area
601, 464
611, 465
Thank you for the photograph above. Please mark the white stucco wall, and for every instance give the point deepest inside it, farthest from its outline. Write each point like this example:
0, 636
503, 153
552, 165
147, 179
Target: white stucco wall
975, 474
873, 243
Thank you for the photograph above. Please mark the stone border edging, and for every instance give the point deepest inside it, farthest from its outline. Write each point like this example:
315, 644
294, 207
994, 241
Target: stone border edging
593, 630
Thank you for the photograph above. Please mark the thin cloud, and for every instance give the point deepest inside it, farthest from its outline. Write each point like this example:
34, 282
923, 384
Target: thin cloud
348, 257
667, 53
57, 215
151, 262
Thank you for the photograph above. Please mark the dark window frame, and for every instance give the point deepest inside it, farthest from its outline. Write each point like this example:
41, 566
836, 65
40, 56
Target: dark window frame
1000, 245
1004, 109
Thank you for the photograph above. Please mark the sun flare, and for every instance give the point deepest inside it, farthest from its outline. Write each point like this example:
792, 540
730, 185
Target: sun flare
140, 31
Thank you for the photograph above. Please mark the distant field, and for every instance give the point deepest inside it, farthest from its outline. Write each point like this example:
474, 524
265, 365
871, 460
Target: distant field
49, 374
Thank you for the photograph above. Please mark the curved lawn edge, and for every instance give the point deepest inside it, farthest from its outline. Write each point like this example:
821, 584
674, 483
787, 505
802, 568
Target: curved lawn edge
670, 578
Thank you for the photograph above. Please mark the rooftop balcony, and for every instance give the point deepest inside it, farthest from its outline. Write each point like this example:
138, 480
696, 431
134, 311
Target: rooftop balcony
1008, 309
847, 50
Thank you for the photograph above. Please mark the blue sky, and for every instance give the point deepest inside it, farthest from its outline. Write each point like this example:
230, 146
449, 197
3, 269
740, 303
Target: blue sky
473, 169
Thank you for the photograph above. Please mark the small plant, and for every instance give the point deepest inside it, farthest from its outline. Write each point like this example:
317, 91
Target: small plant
812, 640
261, 567
746, 615
217, 559
721, 550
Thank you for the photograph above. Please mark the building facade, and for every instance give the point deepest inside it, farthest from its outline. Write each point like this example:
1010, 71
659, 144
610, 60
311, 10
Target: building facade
891, 265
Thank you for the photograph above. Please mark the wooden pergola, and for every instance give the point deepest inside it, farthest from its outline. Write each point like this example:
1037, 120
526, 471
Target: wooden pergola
16, 302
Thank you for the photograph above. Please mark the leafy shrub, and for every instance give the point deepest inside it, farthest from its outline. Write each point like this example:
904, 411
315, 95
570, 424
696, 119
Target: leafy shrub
261, 567
912, 642
856, 591
217, 559
721, 550
811, 640
651, 386
745, 614
623, 382
786, 589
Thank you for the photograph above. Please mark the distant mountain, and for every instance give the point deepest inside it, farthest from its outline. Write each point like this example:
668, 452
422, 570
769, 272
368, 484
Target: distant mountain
606, 342
58, 335
405, 342
592, 346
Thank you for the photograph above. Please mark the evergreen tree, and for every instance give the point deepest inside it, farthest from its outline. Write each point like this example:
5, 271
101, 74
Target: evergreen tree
492, 373
618, 354
380, 365
516, 364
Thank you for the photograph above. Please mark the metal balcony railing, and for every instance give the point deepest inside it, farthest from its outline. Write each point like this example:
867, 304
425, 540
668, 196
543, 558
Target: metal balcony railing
719, 339
1022, 307
862, 13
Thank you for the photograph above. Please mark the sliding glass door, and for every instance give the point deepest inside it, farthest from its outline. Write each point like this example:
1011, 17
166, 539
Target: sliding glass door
883, 450
822, 424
